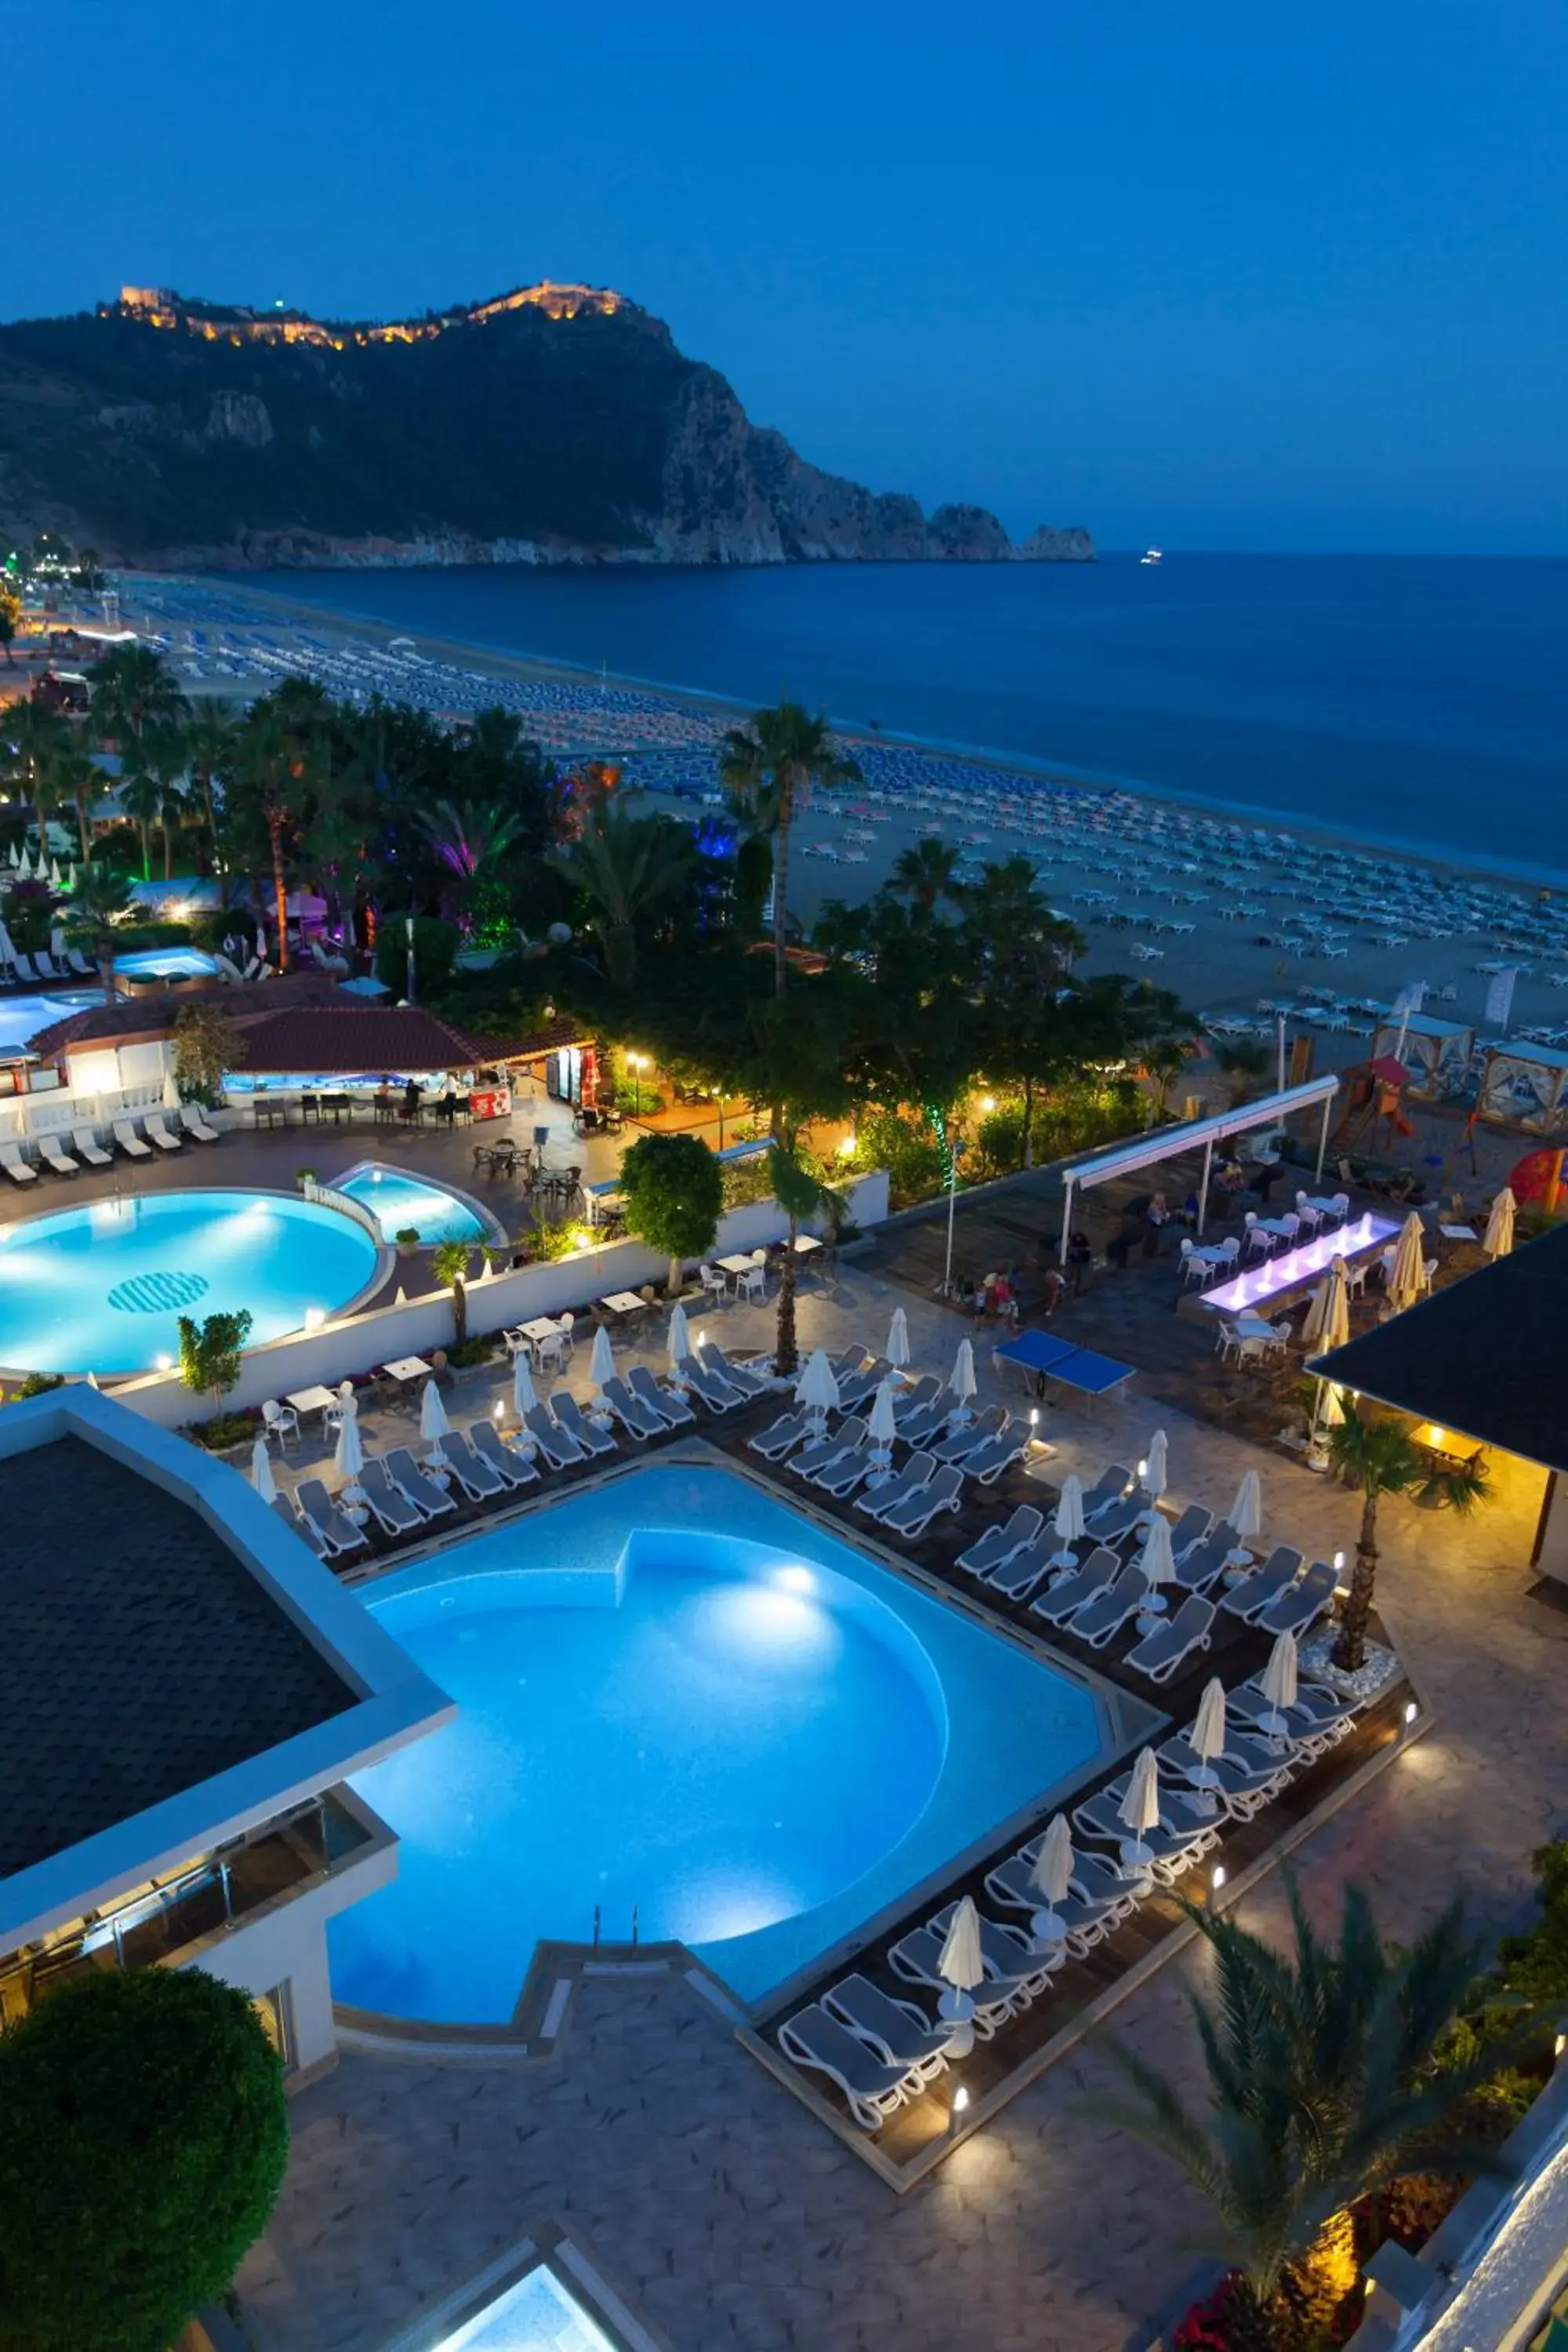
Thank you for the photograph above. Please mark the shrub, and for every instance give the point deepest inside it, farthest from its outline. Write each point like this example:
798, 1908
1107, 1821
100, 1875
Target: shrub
210, 1351
145, 2146
225, 1429
674, 1191
907, 1149
436, 946
1535, 1965
37, 1384
477, 1350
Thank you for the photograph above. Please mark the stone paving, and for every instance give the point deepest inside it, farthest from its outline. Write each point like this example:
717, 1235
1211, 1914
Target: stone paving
713, 2202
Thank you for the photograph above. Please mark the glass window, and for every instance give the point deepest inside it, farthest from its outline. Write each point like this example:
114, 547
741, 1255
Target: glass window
538, 2315
276, 2014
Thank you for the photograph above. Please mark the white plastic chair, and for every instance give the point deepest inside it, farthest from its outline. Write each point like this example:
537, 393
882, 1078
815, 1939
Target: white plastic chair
715, 1282
563, 1324
279, 1420
1258, 1244
753, 1283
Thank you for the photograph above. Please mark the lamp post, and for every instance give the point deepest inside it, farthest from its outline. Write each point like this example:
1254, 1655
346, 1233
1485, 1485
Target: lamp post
408, 973
637, 1061
952, 1205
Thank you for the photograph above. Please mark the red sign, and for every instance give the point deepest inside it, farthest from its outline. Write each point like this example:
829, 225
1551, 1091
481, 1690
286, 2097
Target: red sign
492, 1102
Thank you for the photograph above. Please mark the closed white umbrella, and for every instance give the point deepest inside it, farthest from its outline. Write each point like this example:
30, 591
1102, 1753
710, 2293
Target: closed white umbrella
678, 1340
261, 1476
55, 875
524, 1395
1328, 1323
57, 944
1332, 1409
1279, 1684
170, 1091
1498, 1239
817, 1389
1153, 1480
961, 1968
1246, 1514
1406, 1277
1069, 1523
1140, 1808
602, 1362
348, 1457
898, 1348
1157, 1559
1051, 1877
7, 948
1208, 1737
433, 1422
961, 1380
882, 1428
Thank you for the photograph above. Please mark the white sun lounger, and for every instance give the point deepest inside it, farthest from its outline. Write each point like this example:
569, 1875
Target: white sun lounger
52, 1156
1302, 1606
897, 2032
774, 1441
1078, 1587
194, 1122
1161, 1651
915, 1473
571, 1417
638, 1415
559, 1447
156, 1132
88, 1149
130, 1142
422, 1491
485, 1442
817, 1457
917, 1955
738, 1376
670, 1411
337, 1531
915, 1512
1100, 1620
306, 1529
479, 1481
15, 1166
872, 2089
1001, 1542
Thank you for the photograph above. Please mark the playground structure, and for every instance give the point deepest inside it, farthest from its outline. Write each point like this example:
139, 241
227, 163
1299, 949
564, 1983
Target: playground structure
1373, 1095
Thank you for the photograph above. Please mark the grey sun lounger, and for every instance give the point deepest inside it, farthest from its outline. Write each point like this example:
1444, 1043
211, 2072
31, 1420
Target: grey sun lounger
738, 1376
194, 1122
1257, 1592
1318, 1717
994, 1456
926, 1389
828, 1449
487, 1443
859, 1388
637, 1414
559, 1447
1190, 1529
395, 1513
478, 1479
872, 2088
571, 1417
306, 1531
914, 1514
1302, 1606
52, 1156
1202, 1564
130, 1142
1078, 1587
1109, 1487
916, 1957
1180, 1841
317, 1511
1169, 1645
1018, 1578
716, 1394
842, 1477
421, 1490
84, 1143
1100, 1620
774, 1441
1242, 1784
927, 1420
915, 1473
897, 2032
972, 1436
1085, 1918
1006, 1951
664, 1404
1002, 1541
1122, 1518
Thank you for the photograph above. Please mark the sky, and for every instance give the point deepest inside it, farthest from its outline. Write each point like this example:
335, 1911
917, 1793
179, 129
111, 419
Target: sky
1223, 276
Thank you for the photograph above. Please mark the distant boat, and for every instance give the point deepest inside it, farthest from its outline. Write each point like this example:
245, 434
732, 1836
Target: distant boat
1152, 555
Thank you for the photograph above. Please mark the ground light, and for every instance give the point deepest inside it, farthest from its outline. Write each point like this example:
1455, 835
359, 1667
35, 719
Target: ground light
1216, 1881
1411, 1712
959, 2107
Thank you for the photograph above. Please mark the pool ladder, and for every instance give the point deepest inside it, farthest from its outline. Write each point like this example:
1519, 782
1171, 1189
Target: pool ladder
635, 1927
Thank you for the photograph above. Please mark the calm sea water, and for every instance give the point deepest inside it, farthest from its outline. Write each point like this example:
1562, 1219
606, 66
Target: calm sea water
1417, 701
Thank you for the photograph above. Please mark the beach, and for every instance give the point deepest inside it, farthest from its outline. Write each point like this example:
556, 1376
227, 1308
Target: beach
1240, 919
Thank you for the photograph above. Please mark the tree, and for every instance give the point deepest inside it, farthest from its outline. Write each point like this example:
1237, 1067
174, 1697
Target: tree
83, 782
10, 615
674, 1190
769, 769
267, 789
632, 870
210, 745
449, 1265
1321, 2087
210, 1352
1378, 1457
133, 688
435, 953
926, 873
141, 798
98, 900
800, 1193
1244, 1060
164, 749
146, 2139
206, 1045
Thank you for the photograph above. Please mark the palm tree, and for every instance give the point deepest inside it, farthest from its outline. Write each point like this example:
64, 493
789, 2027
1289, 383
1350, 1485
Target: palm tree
133, 688
633, 870
465, 835
269, 770
926, 872
163, 748
800, 1193
38, 734
1379, 1457
1322, 2087
98, 900
83, 784
141, 798
210, 744
769, 768
449, 1265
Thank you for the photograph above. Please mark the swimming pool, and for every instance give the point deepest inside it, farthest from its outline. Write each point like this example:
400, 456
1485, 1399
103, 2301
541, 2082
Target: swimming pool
166, 963
22, 1017
676, 1694
101, 1289
399, 1202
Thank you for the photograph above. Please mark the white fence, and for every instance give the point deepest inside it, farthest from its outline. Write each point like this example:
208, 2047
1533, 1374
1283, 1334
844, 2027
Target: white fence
359, 1343
60, 1108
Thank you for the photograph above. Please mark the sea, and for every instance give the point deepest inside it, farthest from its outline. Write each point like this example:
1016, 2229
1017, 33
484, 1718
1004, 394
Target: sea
1417, 702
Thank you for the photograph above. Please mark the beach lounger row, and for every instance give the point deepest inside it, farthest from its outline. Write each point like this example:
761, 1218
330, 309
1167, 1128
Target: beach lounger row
84, 1150
879, 2049
27, 971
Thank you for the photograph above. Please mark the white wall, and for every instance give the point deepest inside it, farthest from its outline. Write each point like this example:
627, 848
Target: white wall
289, 1946
359, 1343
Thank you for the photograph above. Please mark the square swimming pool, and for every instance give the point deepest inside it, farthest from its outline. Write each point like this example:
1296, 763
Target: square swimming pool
684, 1706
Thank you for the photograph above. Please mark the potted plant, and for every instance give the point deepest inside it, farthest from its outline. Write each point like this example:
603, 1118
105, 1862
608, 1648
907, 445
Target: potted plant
304, 1177
407, 1240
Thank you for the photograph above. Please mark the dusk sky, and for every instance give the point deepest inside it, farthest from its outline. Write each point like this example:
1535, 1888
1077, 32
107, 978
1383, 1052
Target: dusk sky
1222, 277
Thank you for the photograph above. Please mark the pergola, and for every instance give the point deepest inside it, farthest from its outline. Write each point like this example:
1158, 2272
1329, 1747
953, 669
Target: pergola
1164, 1143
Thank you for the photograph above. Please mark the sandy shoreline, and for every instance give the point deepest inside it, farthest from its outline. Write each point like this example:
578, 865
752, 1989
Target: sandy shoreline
1162, 857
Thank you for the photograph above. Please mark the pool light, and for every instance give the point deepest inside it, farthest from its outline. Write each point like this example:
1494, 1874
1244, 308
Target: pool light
163, 1363
797, 1579
1411, 1712
314, 1317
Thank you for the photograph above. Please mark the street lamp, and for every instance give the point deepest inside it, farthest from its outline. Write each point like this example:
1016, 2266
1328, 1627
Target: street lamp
408, 974
638, 1063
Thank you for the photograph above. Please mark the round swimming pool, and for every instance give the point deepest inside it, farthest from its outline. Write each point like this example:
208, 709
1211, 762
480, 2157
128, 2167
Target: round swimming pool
166, 963
101, 1289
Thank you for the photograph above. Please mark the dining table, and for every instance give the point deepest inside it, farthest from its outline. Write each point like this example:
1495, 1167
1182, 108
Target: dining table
402, 1369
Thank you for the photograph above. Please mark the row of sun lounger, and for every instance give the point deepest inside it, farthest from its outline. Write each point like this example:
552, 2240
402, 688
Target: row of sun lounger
86, 1151
27, 971
930, 1481
881, 2049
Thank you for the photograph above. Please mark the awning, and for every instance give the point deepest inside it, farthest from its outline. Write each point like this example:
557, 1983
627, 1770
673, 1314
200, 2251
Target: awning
1161, 1143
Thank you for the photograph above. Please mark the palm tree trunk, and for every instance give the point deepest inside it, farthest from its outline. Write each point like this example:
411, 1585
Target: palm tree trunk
460, 1311
1028, 1122
280, 891
168, 850
785, 1353
1350, 1650
781, 881
82, 834
145, 830
206, 783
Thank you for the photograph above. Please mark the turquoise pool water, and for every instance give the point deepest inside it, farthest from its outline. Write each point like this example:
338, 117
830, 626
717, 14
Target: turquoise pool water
22, 1017
676, 1694
397, 1201
101, 1289
166, 963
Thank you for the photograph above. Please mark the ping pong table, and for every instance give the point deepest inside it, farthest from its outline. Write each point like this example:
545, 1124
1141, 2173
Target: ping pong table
1083, 1372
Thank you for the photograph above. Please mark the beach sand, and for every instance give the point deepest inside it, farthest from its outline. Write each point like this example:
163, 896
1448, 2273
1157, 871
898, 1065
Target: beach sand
1394, 920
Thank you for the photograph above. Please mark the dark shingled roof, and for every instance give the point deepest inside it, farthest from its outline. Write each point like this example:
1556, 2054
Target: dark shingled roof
138, 1656
1484, 1356
349, 1038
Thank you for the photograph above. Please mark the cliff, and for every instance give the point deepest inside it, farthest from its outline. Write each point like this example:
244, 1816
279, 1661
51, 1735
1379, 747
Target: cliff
556, 423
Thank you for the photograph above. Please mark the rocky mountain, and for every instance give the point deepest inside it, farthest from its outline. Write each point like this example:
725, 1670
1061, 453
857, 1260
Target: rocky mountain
557, 424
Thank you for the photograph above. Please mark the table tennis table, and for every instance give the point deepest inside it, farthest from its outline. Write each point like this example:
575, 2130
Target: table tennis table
1083, 1372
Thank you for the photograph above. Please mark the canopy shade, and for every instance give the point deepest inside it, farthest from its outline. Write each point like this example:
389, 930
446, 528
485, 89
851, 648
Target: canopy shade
1197, 1135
